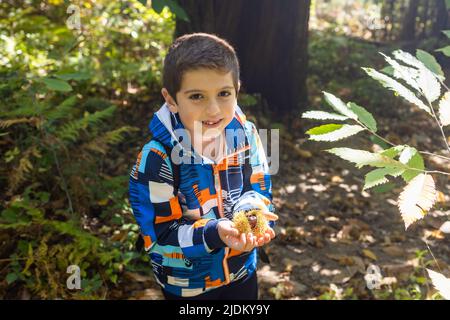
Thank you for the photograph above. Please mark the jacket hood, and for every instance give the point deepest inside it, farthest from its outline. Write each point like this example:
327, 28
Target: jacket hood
165, 127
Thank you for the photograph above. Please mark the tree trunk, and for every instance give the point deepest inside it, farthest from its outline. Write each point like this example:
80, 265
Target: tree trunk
270, 38
441, 20
409, 23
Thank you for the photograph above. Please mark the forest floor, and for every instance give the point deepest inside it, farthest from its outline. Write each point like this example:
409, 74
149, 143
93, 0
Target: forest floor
330, 231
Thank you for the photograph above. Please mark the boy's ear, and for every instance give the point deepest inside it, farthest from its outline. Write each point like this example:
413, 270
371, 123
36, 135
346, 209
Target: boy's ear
169, 100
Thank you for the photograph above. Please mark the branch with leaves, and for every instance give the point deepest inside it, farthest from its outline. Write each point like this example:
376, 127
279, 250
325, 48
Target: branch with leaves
419, 80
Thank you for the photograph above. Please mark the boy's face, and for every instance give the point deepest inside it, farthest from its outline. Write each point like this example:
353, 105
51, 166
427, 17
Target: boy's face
205, 103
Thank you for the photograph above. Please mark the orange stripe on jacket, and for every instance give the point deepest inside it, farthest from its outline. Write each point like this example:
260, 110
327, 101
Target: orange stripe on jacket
138, 163
258, 178
175, 209
210, 284
159, 153
174, 255
147, 242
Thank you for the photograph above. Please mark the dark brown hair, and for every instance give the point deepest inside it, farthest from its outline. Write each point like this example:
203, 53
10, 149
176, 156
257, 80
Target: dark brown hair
195, 51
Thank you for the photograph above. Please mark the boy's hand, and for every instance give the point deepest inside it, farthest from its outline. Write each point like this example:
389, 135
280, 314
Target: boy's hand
231, 237
270, 233
245, 242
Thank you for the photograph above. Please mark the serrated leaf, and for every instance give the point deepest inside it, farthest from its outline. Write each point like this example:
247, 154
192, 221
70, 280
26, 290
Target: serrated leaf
407, 58
395, 86
417, 198
393, 151
444, 109
429, 61
326, 133
384, 187
378, 176
441, 283
429, 85
406, 154
326, 128
407, 74
415, 162
364, 116
363, 158
338, 105
57, 85
322, 115
447, 33
445, 50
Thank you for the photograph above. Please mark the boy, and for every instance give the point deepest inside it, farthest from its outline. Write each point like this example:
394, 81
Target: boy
204, 163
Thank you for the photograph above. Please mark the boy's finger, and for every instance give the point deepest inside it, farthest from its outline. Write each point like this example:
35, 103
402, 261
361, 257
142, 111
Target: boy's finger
243, 239
271, 232
270, 216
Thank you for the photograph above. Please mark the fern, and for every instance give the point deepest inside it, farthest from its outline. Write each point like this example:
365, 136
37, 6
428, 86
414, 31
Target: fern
100, 144
10, 122
62, 110
71, 131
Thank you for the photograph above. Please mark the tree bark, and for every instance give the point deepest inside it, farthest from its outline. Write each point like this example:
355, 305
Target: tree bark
408, 32
270, 38
441, 20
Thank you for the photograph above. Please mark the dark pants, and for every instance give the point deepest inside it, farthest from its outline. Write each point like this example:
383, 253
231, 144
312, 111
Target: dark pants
243, 289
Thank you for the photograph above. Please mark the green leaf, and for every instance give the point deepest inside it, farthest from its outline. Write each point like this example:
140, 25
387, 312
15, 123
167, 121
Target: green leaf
392, 152
407, 74
379, 142
446, 32
415, 162
389, 70
447, 4
445, 50
407, 154
73, 76
363, 158
144, 2
426, 80
326, 128
57, 85
158, 5
338, 105
397, 87
429, 61
364, 116
333, 132
11, 277
322, 115
177, 10
378, 176
384, 187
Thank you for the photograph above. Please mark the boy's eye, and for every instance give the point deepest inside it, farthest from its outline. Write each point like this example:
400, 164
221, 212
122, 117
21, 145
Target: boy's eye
225, 94
196, 96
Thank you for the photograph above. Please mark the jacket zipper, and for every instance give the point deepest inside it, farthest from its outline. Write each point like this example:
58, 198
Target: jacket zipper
221, 214
217, 185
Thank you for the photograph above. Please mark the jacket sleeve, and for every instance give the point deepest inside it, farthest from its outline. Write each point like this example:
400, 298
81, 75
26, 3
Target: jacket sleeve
257, 191
158, 212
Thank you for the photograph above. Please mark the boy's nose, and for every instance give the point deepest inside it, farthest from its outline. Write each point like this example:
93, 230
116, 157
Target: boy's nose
213, 108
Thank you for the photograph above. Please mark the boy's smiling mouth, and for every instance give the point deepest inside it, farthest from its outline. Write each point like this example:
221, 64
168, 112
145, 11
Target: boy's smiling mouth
212, 123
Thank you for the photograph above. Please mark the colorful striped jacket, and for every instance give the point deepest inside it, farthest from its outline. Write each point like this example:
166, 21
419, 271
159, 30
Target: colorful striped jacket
180, 231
